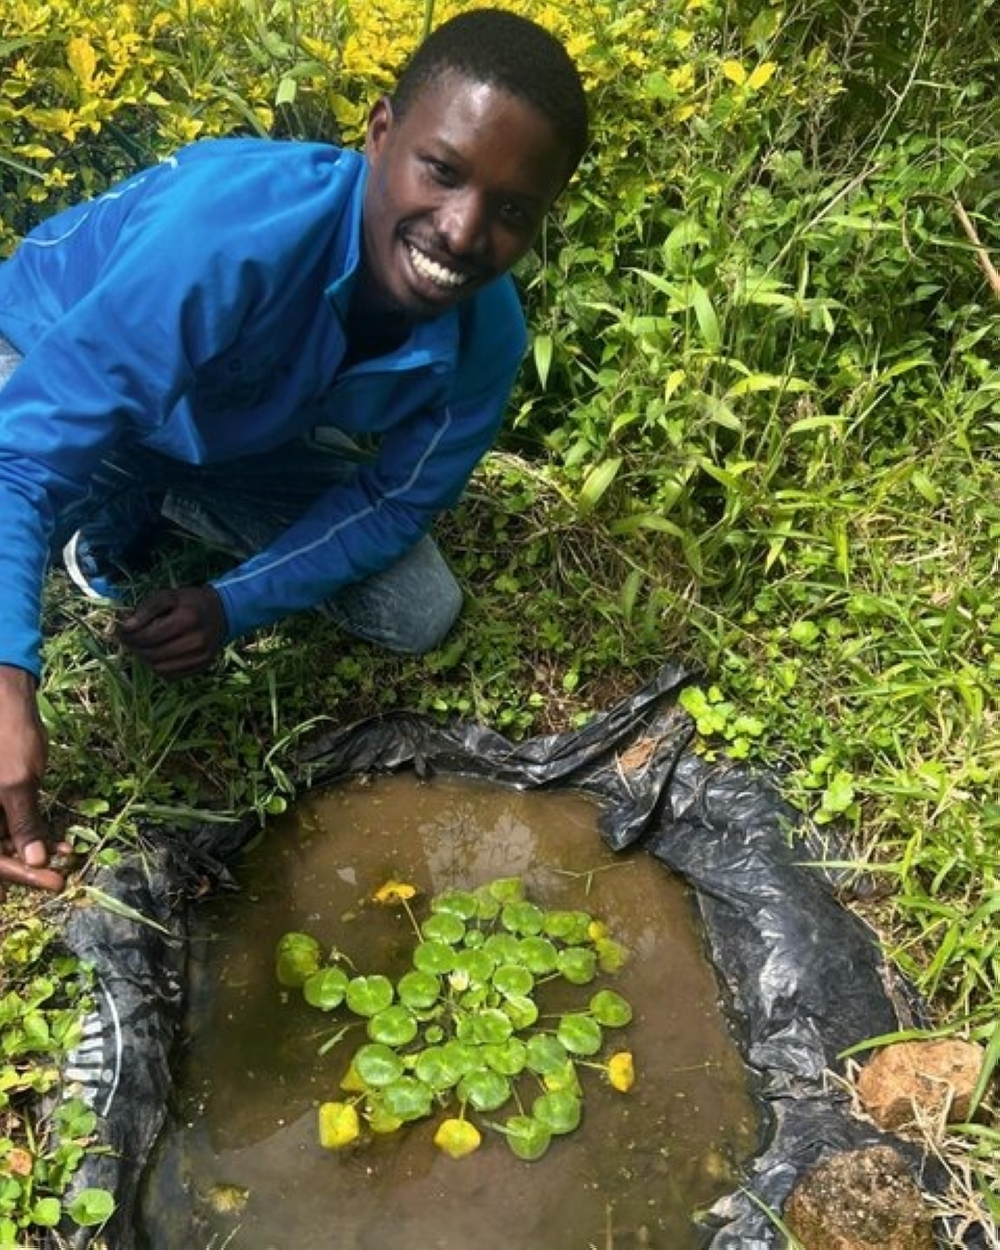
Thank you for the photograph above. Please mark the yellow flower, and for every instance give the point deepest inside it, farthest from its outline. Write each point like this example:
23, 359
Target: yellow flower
394, 892
621, 1071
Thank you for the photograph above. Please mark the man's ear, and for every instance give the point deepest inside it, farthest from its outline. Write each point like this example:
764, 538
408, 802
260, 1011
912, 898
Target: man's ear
380, 121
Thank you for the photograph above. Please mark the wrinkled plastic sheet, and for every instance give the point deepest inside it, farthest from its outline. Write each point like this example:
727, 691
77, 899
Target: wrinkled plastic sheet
802, 976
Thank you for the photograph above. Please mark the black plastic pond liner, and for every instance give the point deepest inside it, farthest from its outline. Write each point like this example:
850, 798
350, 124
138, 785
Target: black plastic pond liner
802, 976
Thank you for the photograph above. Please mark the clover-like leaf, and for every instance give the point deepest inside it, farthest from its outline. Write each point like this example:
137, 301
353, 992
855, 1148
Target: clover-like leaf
395, 1026
560, 1111
577, 964
296, 959
527, 1137
580, 1034
461, 1057
457, 1138
564, 1078
484, 1088
610, 1009
326, 988
338, 1125
379, 1119
366, 996
377, 1064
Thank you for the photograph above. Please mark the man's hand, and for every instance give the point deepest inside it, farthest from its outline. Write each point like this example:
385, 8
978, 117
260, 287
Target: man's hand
24, 838
176, 632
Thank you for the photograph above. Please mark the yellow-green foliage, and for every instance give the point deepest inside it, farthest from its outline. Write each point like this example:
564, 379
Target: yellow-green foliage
90, 92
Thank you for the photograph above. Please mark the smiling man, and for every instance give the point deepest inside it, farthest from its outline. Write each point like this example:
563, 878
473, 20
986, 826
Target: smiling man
295, 351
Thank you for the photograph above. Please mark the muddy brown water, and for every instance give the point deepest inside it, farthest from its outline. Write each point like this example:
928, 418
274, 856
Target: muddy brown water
240, 1165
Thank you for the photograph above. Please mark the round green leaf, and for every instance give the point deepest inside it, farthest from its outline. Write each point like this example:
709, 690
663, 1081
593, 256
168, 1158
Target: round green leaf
395, 1026
506, 889
461, 1057
523, 1011
407, 1098
444, 926
513, 981
297, 957
487, 906
580, 1034
326, 988
491, 1025
522, 917
377, 1065
559, 1111
477, 965
578, 965
508, 1058
504, 947
366, 996
436, 957
484, 1088
433, 1068
418, 990
461, 903
538, 954
474, 938
611, 955
91, 1207
545, 1053
527, 1138
571, 927
610, 1009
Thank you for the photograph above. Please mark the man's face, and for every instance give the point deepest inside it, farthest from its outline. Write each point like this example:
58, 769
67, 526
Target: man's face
458, 188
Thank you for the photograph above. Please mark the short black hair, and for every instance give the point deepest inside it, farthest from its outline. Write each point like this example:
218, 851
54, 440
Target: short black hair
508, 51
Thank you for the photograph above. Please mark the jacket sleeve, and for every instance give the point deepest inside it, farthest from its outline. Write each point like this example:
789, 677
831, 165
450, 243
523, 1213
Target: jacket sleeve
354, 531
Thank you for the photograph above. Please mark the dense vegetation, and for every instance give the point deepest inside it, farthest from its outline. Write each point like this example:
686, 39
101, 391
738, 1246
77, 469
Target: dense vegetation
759, 431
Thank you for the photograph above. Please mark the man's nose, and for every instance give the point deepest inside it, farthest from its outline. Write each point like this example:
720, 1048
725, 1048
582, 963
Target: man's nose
464, 225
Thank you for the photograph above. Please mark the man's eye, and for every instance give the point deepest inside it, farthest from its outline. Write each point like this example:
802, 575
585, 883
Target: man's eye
514, 215
440, 172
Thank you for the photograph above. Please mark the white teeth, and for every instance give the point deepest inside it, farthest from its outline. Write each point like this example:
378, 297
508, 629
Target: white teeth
436, 273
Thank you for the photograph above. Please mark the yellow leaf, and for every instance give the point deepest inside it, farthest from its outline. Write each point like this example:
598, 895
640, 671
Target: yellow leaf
734, 71
394, 892
82, 59
764, 72
338, 1125
457, 1138
621, 1071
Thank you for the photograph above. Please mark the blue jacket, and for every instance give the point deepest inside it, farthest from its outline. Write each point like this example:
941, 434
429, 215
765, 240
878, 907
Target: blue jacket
198, 309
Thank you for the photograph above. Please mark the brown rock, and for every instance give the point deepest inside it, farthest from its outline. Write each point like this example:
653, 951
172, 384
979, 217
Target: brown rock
920, 1081
860, 1200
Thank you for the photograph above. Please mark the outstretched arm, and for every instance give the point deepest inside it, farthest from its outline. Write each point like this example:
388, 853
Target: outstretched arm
24, 838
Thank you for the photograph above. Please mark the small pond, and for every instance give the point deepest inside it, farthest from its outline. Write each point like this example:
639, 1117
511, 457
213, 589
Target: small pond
239, 1164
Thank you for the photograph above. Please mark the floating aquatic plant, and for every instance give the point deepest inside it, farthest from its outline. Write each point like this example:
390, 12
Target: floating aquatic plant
463, 1024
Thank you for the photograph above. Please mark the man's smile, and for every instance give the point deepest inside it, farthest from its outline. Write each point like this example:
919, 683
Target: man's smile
440, 275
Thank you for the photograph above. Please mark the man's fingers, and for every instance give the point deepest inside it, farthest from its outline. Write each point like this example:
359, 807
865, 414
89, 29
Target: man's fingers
15, 872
